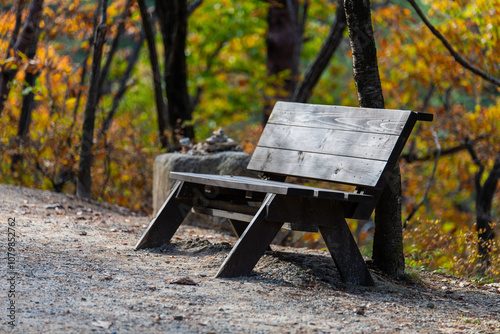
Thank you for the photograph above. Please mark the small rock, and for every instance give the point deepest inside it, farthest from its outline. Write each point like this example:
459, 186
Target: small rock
178, 317
430, 305
182, 281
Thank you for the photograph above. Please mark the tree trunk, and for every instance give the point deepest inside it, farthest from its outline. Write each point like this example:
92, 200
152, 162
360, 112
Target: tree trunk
84, 180
28, 101
155, 68
313, 72
281, 42
484, 199
172, 16
388, 241
22, 43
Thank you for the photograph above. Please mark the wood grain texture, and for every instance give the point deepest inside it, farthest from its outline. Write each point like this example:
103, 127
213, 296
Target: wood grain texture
370, 120
339, 169
252, 186
329, 141
345, 253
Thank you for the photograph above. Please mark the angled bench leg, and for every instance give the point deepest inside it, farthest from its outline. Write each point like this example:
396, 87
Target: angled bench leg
345, 253
251, 245
167, 221
238, 226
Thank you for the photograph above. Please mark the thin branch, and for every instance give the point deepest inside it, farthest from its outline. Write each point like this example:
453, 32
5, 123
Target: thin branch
114, 47
210, 62
478, 162
410, 157
192, 6
123, 84
448, 46
313, 73
429, 183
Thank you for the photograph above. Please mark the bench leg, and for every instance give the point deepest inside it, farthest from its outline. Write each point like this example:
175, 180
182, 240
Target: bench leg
345, 254
238, 226
167, 221
251, 245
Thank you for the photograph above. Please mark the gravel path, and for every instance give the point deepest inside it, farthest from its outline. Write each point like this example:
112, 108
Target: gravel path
76, 272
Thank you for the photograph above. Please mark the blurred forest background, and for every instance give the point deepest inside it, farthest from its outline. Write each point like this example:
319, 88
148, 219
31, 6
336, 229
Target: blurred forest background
237, 64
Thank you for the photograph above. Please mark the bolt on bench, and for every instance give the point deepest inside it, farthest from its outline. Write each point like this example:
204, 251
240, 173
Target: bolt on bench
347, 145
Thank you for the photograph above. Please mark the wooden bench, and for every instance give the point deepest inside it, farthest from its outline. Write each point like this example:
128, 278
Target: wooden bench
347, 145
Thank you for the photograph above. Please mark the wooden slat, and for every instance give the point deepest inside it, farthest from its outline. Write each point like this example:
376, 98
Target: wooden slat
386, 121
244, 183
318, 166
224, 214
268, 186
328, 141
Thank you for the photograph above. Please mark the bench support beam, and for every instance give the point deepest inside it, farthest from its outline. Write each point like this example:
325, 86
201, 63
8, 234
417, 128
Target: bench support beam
167, 221
252, 244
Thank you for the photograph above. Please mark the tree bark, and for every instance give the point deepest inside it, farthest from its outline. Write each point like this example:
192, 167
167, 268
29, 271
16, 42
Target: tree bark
155, 68
388, 239
132, 60
114, 47
313, 73
21, 45
172, 16
84, 180
484, 199
281, 42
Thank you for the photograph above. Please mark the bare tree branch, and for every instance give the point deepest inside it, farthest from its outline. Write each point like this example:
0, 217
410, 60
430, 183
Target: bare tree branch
429, 183
314, 71
191, 7
448, 46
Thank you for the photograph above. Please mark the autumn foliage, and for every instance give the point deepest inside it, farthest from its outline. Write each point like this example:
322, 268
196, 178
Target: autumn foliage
227, 72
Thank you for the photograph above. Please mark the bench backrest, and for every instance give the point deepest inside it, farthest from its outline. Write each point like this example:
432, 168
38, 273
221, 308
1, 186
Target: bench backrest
356, 146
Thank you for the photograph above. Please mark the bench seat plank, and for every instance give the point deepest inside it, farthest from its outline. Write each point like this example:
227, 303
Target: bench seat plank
268, 186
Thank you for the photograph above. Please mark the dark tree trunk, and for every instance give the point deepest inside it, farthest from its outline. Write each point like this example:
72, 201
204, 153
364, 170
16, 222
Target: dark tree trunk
281, 42
155, 68
132, 60
484, 199
28, 101
172, 16
22, 43
314, 71
388, 241
114, 47
17, 26
84, 180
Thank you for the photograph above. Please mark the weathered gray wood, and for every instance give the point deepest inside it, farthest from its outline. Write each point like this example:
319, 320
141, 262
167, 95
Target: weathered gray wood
167, 221
251, 245
341, 118
244, 183
318, 166
223, 214
329, 141
345, 253
250, 185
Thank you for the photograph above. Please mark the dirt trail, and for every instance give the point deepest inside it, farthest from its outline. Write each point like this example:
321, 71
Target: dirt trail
77, 273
